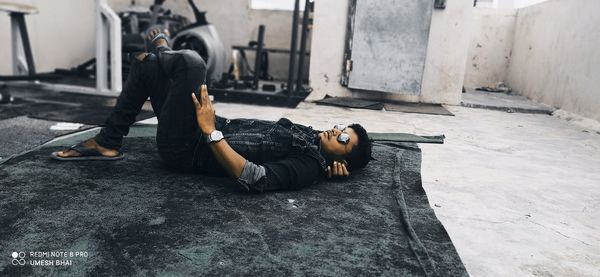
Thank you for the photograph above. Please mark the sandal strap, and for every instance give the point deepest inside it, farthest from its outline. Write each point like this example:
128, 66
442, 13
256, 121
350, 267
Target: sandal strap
152, 48
160, 36
84, 151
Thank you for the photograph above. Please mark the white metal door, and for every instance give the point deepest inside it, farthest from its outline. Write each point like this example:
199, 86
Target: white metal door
387, 45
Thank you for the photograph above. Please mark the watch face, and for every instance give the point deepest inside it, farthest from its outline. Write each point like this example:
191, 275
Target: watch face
216, 136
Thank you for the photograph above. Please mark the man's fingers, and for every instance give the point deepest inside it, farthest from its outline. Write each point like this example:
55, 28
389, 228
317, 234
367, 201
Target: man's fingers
335, 169
345, 170
204, 89
205, 99
196, 102
329, 172
204, 95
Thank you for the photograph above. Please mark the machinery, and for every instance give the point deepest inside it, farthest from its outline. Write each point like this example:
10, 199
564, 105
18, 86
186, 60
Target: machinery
123, 33
200, 36
108, 54
116, 35
203, 38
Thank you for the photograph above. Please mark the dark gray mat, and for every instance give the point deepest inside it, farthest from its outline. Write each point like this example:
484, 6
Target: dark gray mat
435, 109
91, 115
133, 217
403, 137
62, 107
22, 133
21, 107
350, 102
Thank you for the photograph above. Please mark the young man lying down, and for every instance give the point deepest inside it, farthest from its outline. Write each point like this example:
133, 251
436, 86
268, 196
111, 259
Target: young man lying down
260, 155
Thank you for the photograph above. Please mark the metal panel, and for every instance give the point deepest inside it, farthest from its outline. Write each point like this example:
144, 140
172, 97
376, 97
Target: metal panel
387, 46
108, 37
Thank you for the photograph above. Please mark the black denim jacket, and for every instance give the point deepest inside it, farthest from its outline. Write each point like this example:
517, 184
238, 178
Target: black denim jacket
289, 152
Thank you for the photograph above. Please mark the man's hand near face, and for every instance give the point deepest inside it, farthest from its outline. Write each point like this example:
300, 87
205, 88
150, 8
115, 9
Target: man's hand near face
337, 170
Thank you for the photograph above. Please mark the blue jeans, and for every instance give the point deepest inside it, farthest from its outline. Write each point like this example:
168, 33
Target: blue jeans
168, 78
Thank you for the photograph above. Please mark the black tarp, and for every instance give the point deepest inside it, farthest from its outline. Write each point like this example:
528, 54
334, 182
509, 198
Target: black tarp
133, 217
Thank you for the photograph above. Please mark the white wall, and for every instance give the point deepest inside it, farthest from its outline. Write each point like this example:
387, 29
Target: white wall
507, 4
490, 46
556, 55
444, 66
525, 3
62, 34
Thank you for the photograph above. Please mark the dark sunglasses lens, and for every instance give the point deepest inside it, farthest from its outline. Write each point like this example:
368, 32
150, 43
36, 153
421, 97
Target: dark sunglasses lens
344, 138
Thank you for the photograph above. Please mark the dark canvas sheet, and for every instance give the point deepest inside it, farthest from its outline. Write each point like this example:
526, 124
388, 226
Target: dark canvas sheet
22, 133
62, 107
404, 137
351, 102
90, 115
423, 108
133, 217
22, 107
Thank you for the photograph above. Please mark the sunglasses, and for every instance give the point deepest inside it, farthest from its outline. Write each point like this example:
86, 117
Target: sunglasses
343, 138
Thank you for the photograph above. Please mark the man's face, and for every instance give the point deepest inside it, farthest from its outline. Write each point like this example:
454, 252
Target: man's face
332, 144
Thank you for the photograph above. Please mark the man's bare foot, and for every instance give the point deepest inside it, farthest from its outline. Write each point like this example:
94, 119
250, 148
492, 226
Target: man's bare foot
90, 143
161, 41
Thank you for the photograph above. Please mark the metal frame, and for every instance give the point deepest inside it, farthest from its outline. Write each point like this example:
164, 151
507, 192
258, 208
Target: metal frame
294, 92
22, 59
108, 33
108, 38
304, 34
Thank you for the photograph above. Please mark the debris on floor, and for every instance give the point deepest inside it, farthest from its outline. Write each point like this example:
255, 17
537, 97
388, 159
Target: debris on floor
507, 102
65, 126
388, 105
497, 87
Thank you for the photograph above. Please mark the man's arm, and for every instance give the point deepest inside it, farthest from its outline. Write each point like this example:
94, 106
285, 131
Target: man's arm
294, 172
230, 160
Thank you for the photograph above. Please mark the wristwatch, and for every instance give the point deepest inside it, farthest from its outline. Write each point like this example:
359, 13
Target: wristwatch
215, 136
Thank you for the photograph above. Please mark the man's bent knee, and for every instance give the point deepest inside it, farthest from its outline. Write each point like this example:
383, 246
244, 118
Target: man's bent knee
193, 59
187, 60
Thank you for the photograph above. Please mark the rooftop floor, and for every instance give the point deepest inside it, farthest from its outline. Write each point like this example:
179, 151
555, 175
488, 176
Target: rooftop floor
518, 193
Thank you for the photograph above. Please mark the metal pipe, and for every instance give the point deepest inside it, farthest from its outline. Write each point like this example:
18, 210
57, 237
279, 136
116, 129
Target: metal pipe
292, 65
259, 47
303, 38
26, 44
108, 39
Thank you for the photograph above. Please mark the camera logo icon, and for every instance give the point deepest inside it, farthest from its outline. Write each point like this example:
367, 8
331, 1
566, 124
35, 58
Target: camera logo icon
18, 258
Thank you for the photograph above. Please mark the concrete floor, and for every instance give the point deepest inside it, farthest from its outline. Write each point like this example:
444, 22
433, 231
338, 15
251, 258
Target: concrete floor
519, 194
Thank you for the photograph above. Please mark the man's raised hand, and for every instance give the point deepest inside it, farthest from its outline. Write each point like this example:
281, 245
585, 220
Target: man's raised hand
205, 112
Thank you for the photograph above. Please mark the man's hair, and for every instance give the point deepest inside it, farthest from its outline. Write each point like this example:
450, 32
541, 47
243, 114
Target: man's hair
360, 155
